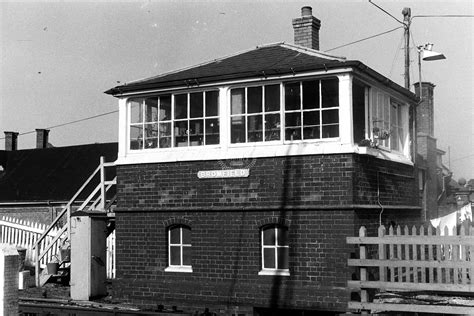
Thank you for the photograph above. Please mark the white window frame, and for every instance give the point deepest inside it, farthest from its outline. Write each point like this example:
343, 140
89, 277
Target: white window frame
319, 109
382, 117
181, 267
172, 120
276, 246
262, 113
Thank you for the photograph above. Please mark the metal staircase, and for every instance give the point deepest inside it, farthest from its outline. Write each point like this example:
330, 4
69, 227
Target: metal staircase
101, 197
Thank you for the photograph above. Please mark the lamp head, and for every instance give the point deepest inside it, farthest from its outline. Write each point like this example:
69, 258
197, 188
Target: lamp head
428, 54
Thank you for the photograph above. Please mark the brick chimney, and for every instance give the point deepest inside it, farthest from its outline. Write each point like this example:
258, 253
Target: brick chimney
425, 110
42, 138
307, 29
11, 141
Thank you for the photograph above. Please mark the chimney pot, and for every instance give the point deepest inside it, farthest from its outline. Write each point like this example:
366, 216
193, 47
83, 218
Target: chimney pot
11, 141
306, 11
42, 138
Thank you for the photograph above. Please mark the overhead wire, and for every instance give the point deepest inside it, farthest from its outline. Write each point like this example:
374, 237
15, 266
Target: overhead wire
364, 39
69, 123
396, 55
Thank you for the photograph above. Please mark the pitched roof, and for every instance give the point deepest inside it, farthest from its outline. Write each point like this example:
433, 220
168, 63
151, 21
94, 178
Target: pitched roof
50, 174
262, 61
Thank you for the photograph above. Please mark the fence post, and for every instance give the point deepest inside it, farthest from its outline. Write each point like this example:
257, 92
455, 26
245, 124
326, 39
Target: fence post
382, 255
363, 270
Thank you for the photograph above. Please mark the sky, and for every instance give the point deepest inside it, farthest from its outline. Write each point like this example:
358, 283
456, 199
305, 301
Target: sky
57, 58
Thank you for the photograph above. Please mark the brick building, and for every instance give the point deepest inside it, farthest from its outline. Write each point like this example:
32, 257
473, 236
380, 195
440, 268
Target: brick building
239, 179
35, 184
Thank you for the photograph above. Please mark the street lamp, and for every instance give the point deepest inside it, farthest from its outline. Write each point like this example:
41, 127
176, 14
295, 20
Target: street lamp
428, 54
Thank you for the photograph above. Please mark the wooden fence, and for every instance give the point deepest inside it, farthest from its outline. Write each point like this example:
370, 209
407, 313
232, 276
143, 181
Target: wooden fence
413, 261
24, 234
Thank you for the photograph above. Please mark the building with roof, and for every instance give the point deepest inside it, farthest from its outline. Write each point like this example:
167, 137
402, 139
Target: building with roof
239, 179
35, 184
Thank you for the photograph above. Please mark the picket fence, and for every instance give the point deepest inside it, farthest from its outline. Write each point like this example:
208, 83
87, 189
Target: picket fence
415, 261
23, 234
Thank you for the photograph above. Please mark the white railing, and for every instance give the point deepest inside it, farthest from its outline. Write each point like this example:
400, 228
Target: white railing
24, 234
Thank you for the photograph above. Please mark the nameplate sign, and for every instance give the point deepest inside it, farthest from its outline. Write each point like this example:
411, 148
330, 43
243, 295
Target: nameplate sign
226, 173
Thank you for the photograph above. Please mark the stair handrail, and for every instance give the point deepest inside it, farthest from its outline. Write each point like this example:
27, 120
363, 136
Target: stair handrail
67, 209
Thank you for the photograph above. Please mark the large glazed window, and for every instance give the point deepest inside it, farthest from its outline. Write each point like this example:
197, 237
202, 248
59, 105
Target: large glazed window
388, 121
179, 249
179, 120
312, 109
275, 250
255, 114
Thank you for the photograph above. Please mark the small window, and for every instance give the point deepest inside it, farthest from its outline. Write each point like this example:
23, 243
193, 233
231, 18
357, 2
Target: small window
275, 250
179, 249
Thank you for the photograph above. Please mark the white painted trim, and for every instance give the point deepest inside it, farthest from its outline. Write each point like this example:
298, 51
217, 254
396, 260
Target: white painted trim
280, 272
206, 153
184, 269
345, 109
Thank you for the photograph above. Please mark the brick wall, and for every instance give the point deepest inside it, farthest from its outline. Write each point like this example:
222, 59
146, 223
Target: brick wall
281, 182
38, 214
225, 214
8, 281
226, 260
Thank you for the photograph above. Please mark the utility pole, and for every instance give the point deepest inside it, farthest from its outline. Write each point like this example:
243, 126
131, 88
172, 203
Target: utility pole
406, 23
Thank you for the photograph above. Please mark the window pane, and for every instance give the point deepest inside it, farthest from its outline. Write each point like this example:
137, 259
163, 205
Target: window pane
237, 100
237, 132
311, 132
331, 131
196, 104
165, 107
151, 109
181, 133
269, 237
292, 133
272, 98
293, 119
269, 258
175, 235
151, 135
165, 135
187, 255
212, 103
175, 255
330, 116
330, 92
292, 96
255, 131
212, 131
136, 137
196, 132
136, 114
282, 254
310, 94
254, 95
272, 127
186, 236
311, 118
180, 106
282, 236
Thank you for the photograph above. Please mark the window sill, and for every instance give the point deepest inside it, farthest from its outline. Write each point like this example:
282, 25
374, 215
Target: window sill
274, 272
179, 269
